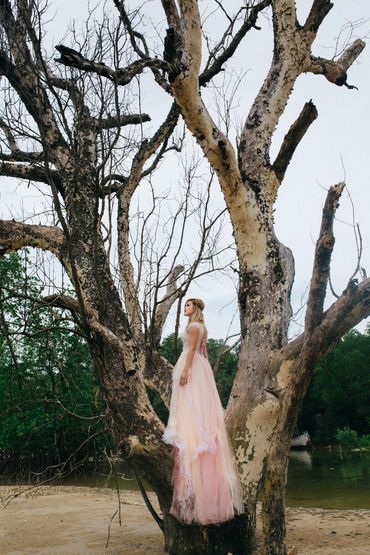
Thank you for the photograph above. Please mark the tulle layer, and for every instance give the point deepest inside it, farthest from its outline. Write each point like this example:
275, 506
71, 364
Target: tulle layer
206, 487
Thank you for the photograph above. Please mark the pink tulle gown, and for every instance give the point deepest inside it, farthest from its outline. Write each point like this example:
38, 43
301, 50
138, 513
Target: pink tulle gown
206, 487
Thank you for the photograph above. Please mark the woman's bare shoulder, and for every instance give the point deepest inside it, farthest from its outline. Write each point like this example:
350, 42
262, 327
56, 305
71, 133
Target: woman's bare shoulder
198, 325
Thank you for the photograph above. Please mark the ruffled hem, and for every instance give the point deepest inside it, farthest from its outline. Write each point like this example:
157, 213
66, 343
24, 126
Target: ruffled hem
170, 437
208, 446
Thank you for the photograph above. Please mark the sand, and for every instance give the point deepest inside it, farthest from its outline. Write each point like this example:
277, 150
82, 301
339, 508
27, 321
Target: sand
59, 520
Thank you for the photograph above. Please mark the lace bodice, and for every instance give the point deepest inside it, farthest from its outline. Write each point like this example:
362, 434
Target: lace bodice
185, 336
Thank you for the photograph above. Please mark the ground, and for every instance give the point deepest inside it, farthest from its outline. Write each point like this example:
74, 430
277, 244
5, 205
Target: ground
74, 521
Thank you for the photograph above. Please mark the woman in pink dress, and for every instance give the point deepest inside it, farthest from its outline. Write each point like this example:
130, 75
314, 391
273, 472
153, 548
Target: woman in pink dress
206, 487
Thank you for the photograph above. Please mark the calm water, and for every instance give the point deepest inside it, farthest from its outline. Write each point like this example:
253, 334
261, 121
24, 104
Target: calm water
322, 479
329, 480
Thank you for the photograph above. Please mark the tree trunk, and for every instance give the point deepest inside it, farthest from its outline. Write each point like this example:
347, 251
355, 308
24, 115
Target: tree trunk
235, 536
273, 501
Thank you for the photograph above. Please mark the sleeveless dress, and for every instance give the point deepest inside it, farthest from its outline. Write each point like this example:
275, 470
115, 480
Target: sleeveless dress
206, 486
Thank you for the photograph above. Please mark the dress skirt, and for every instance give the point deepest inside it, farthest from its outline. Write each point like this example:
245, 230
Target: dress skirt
206, 486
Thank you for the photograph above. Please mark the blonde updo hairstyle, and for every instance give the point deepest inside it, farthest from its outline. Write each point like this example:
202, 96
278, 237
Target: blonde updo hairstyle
197, 315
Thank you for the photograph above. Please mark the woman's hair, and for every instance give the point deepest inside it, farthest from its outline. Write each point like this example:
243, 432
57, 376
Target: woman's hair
197, 315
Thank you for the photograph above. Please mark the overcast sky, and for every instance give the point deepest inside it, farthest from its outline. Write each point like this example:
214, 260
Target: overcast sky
336, 146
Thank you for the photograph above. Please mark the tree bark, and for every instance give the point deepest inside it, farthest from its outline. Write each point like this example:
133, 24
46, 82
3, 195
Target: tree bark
235, 536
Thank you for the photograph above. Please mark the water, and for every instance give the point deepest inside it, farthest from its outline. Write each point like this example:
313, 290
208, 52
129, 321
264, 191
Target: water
329, 480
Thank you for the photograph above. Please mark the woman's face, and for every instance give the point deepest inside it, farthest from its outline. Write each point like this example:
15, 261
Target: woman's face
188, 308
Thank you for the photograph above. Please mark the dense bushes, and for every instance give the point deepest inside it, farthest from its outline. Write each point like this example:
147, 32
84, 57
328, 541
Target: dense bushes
46, 379
339, 394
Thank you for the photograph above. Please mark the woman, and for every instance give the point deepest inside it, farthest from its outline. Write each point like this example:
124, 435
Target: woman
206, 488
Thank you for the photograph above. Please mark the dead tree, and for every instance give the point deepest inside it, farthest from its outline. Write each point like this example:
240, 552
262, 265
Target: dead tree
273, 373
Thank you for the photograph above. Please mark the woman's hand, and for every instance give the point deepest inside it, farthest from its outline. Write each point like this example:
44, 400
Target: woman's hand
184, 377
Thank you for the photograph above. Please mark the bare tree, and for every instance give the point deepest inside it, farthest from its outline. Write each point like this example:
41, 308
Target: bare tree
273, 373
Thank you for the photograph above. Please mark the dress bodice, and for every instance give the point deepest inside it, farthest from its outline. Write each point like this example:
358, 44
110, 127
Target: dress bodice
185, 336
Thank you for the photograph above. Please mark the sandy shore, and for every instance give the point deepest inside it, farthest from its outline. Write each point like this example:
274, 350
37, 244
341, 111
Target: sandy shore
74, 521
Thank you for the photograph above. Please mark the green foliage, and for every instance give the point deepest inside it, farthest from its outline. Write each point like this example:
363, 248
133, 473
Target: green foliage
339, 394
347, 438
46, 377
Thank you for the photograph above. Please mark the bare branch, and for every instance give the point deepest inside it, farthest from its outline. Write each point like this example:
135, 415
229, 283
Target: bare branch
223, 351
318, 12
146, 150
158, 376
59, 301
121, 120
132, 33
215, 145
336, 71
31, 172
321, 268
250, 22
172, 293
348, 311
147, 501
17, 155
293, 138
172, 14
24, 78
15, 235
123, 76
9, 135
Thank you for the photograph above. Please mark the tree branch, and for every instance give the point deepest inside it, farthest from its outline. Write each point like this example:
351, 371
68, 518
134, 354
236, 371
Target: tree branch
215, 145
293, 138
121, 120
132, 33
31, 172
348, 311
59, 301
9, 135
158, 376
17, 155
146, 150
336, 71
24, 78
16, 235
123, 76
321, 267
172, 14
165, 304
318, 12
250, 22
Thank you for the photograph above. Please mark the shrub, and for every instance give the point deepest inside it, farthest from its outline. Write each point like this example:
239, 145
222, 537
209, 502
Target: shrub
347, 438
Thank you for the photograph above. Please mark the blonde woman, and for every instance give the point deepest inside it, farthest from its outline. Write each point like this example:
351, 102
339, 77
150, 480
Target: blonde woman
206, 487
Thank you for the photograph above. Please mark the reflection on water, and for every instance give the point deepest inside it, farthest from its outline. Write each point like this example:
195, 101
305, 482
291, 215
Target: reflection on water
300, 458
330, 480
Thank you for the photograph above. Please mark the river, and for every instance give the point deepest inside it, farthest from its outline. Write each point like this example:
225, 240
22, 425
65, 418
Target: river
318, 478
329, 479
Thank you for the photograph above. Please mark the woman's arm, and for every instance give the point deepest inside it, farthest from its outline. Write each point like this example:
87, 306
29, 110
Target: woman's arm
193, 332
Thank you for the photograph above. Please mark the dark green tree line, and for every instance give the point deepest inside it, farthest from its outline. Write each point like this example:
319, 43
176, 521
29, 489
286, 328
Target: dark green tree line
49, 395
339, 394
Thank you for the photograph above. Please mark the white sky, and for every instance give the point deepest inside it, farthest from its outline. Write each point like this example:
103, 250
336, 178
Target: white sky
336, 145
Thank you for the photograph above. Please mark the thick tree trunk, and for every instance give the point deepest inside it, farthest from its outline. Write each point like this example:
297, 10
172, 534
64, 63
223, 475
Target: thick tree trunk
273, 501
235, 536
